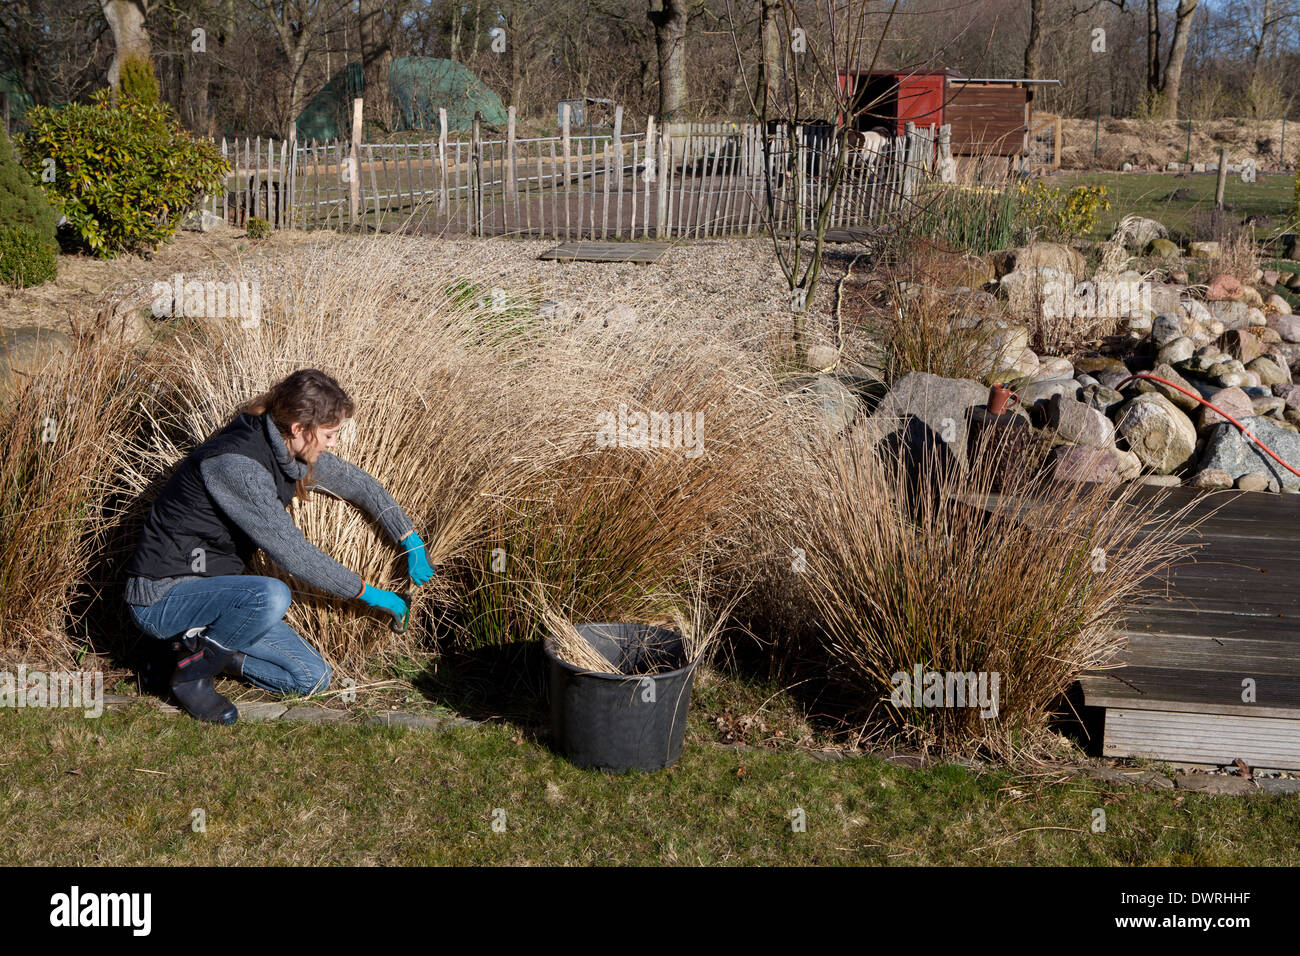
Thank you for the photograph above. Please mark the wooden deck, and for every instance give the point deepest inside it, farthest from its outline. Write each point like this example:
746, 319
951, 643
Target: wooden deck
1230, 620
589, 251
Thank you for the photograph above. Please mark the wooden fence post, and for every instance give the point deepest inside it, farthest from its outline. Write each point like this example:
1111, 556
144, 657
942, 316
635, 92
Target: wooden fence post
510, 153
442, 159
476, 173
618, 158
354, 172
564, 135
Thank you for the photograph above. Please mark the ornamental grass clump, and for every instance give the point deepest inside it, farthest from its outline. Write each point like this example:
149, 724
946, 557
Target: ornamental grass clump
437, 421
513, 447
55, 470
915, 568
670, 442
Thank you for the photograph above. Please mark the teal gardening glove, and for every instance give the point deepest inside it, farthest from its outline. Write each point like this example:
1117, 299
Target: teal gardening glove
386, 600
417, 562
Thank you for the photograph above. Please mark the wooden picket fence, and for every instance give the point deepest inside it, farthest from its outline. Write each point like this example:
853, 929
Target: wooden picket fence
689, 180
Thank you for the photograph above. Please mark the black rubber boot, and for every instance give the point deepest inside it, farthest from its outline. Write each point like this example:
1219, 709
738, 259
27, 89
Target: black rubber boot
198, 660
235, 667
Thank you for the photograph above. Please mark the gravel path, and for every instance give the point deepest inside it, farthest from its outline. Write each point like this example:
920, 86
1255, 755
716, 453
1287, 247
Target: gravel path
736, 284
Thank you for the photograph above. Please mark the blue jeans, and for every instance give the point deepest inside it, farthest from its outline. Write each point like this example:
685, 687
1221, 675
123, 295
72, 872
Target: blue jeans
241, 612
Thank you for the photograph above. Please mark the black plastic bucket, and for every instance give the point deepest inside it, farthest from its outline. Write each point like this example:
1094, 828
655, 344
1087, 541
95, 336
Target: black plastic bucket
632, 718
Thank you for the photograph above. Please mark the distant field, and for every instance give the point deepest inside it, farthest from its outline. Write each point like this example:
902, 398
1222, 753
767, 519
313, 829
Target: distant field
1146, 194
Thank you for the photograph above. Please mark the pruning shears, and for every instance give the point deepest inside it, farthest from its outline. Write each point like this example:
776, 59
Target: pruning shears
406, 618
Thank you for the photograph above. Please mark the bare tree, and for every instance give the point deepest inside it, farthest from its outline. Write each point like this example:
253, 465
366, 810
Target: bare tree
126, 18
810, 54
669, 20
1032, 48
297, 23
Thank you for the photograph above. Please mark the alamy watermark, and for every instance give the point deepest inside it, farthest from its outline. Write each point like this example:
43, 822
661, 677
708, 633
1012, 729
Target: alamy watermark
631, 429
75, 689
205, 298
923, 688
1120, 298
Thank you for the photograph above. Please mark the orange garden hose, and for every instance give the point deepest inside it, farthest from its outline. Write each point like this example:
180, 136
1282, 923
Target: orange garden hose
1244, 430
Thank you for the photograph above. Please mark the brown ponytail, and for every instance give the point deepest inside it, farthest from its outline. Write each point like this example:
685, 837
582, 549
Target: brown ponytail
309, 396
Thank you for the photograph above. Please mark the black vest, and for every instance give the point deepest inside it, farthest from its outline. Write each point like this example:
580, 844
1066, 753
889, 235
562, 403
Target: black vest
184, 518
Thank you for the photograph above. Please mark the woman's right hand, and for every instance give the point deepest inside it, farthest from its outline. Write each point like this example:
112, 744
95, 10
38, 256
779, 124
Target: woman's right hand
387, 600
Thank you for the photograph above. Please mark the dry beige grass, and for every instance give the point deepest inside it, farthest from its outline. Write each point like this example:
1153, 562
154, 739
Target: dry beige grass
483, 425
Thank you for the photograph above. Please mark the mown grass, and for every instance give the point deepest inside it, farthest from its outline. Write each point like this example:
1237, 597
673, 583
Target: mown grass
75, 792
1146, 194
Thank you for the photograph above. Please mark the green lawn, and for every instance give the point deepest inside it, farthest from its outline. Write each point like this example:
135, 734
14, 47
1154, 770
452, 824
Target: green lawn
1145, 194
123, 789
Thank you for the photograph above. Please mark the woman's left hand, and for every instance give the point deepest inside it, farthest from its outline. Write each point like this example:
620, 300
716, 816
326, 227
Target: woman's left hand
417, 562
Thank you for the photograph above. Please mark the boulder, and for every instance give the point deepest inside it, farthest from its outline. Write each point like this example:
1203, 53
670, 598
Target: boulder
1166, 327
1268, 406
1211, 479
1228, 450
1224, 287
1186, 402
1100, 397
1128, 464
931, 409
1163, 249
1287, 326
1277, 305
1136, 233
1082, 463
23, 352
1051, 255
1156, 431
1034, 392
1256, 482
839, 404
201, 221
1233, 314
1025, 289
1270, 371
1079, 424
1051, 366
1234, 401
1179, 350
1203, 250
1240, 344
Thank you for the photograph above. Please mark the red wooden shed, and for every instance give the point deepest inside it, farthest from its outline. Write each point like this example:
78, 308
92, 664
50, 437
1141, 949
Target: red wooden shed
988, 117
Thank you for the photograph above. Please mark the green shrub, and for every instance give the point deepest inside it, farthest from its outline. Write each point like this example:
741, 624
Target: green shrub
125, 175
137, 79
257, 228
27, 225
1052, 215
26, 257
22, 201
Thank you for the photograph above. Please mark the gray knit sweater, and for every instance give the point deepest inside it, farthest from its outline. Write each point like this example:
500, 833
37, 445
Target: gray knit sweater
244, 490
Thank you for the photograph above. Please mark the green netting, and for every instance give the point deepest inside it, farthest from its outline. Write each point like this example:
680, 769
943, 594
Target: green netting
327, 114
19, 101
419, 85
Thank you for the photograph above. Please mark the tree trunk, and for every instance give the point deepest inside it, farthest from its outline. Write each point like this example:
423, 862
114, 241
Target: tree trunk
669, 20
455, 32
1257, 49
130, 38
376, 55
770, 40
1177, 52
1153, 46
1035, 33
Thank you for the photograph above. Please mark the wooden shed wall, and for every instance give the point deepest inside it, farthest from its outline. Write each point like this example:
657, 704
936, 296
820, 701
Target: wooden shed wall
987, 119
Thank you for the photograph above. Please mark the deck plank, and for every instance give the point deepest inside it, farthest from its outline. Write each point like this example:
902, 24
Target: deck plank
587, 251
